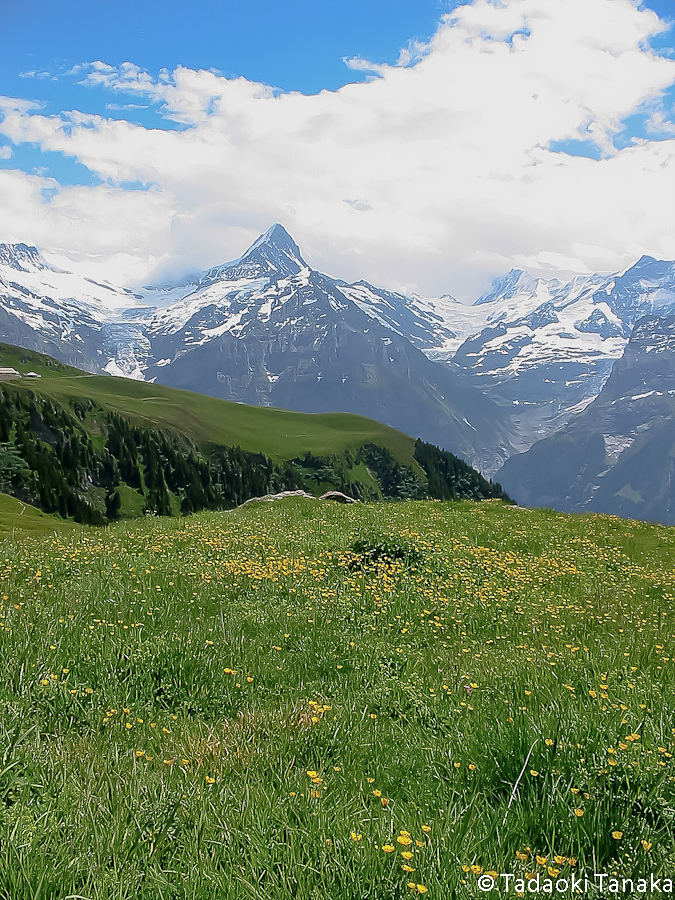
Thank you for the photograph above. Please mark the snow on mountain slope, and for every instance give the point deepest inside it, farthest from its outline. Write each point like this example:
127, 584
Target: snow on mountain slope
617, 455
65, 314
24, 268
297, 341
547, 348
540, 348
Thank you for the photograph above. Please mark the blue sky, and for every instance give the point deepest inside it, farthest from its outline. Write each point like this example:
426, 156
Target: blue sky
295, 45
301, 45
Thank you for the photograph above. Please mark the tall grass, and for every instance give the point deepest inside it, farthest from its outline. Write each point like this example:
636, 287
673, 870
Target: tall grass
300, 700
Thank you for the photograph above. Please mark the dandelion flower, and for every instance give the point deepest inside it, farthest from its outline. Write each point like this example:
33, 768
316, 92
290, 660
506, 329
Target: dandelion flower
578, 812
617, 835
388, 848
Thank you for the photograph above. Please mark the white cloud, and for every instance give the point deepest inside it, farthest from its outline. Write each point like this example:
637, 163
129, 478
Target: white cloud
660, 124
434, 175
5, 152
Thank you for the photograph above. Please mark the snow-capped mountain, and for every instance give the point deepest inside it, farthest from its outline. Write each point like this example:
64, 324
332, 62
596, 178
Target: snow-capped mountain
545, 348
267, 329
263, 329
536, 351
70, 317
618, 455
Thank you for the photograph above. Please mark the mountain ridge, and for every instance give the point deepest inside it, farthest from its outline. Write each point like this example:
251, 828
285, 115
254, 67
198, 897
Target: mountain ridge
616, 456
527, 354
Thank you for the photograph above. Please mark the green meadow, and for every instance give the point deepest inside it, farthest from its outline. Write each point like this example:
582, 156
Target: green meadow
18, 519
279, 433
303, 700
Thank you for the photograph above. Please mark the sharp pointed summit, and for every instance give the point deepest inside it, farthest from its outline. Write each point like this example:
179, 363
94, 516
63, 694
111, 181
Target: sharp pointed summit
273, 255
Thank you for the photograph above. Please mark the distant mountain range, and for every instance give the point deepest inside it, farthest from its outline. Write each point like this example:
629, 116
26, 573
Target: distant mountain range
618, 455
484, 381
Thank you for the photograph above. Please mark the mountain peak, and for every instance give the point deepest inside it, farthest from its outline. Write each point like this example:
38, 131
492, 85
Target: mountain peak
507, 286
273, 255
648, 267
21, 257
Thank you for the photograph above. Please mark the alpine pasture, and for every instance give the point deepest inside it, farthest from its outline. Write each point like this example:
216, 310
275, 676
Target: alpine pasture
305, 700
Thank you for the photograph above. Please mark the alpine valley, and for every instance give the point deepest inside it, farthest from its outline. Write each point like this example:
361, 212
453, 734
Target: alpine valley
485, 381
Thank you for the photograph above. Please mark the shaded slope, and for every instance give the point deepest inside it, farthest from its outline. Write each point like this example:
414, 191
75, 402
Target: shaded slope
617, 456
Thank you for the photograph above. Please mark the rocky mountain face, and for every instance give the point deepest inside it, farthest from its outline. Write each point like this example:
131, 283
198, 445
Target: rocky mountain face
484, 381
541, 349
268, 330
547, 348
264, 329
618, 455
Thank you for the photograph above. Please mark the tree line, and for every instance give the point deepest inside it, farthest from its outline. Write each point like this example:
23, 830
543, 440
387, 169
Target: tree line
77, 461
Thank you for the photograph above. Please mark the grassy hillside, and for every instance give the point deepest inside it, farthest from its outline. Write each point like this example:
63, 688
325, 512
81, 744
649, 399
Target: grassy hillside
96, 449
278, 433
301, 700
18, 520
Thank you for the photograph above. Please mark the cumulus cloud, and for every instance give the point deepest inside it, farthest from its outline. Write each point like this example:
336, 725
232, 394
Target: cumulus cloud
434, 175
